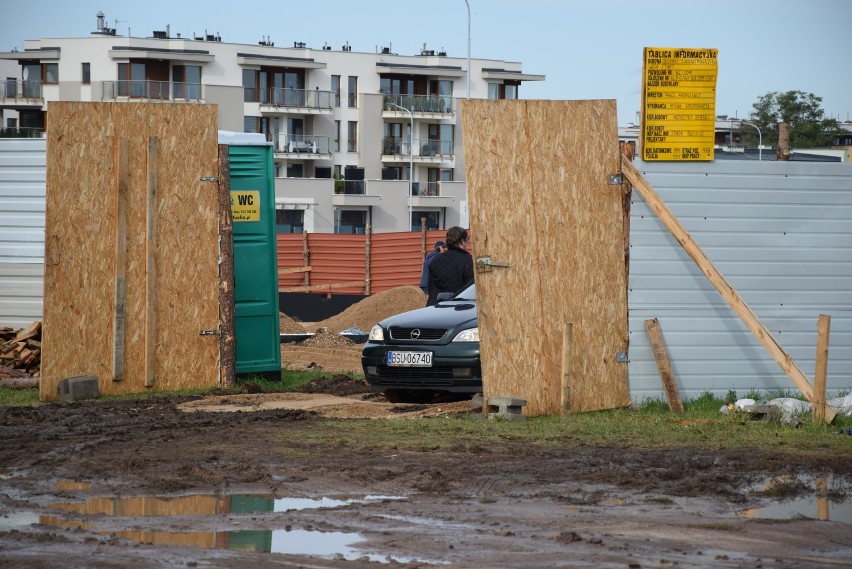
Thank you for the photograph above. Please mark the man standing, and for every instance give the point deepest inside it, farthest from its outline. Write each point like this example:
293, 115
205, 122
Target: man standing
440, 247
453, 270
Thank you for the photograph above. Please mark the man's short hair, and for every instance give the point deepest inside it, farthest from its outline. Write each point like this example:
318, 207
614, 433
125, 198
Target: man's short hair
456, 236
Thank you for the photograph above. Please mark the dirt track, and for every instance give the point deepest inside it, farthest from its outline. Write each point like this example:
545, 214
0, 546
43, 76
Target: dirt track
145, 484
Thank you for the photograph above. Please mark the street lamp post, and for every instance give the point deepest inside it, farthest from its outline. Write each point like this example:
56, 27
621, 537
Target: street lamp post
410, 159
468, 48
759, 140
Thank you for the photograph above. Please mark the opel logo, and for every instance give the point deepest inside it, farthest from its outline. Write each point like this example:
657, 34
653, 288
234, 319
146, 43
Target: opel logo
415, 333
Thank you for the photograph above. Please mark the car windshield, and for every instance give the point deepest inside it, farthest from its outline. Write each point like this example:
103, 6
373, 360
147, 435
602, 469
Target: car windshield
467, 294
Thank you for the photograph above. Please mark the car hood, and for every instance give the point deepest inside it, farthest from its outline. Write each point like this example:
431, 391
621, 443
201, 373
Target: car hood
459, 314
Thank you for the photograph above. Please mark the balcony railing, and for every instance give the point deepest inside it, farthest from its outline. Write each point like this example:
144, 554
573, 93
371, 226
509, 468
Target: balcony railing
21, 132
422, 147
301, 144
15, 91
290, 98
152, 90
420, 103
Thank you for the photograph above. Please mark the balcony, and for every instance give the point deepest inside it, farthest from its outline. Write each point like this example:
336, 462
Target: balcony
286, 100
301, 146
395, 149
21, 132
426, 106
153, 91
22, 94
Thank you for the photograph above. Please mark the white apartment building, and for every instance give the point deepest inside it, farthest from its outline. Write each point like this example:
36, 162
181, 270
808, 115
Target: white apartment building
359, 138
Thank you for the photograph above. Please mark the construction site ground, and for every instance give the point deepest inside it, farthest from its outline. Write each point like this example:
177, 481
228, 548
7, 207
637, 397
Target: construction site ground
256, 480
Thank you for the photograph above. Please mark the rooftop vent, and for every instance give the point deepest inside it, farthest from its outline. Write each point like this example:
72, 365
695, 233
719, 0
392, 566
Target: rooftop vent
425, 51
103, 29
161, 35
346, 47
299, 44
326, 47
265, 40
442, 53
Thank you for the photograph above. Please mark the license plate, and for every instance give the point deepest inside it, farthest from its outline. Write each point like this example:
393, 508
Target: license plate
410, 359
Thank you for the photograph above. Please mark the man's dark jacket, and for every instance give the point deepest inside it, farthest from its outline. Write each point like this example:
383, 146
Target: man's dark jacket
449, 272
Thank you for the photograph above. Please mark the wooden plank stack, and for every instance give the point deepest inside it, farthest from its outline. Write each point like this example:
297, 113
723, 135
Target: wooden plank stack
20, 351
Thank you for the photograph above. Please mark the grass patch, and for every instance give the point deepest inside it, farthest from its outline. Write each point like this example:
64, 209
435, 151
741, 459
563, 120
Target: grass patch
24, 396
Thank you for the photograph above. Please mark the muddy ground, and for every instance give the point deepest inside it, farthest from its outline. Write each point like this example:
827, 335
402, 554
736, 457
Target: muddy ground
177, 483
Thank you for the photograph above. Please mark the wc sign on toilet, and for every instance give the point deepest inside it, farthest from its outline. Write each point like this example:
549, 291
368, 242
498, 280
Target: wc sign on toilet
245, 205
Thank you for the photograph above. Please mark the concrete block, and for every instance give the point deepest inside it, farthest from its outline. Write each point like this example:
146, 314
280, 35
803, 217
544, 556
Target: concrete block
510, 408
80, 387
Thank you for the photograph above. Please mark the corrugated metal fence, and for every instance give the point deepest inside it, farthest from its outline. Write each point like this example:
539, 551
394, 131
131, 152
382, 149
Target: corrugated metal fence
352, 264
781, 234
22, 194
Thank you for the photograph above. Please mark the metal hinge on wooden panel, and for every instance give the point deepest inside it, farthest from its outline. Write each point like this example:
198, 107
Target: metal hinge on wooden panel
615, 179
208, 179
621, 357
208, 332
487, 263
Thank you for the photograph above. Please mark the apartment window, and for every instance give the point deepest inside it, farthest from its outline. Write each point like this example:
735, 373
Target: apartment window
289, 220
392, 142
434, 177
352, 137
440, 140
186, 82
337, 136
295, 170
353, 92
507, 90
11, 87
432, 220
131, 79
11, 122
51, 73
87, 74
335, 88
350, 221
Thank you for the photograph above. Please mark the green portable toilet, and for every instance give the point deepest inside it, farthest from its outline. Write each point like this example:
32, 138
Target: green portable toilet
256, 318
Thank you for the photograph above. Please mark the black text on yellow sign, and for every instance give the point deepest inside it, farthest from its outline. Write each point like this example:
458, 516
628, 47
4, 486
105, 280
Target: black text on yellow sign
678, 103
245, 205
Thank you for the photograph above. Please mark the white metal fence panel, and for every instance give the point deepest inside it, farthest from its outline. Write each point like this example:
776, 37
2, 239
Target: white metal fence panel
781, 234
22, 200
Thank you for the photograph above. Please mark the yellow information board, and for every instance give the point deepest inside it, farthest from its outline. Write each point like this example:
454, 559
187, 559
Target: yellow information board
245, 205
678, 103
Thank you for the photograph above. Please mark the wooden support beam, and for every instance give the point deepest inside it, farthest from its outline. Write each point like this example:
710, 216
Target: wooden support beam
150, 264
291, 270
781, 357
567, 364
322, 287
227, 332
820, 409
664, 366
120, 283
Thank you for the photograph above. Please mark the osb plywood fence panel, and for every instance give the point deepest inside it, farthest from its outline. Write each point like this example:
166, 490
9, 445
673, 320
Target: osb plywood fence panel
553, 321
391, 260
131, 271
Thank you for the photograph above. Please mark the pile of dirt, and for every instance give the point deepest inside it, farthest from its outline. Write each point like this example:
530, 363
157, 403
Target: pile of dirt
368, 312
340, 385
289, 326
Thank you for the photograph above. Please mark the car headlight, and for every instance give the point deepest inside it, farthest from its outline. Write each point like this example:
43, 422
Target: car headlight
377, 334
469, 335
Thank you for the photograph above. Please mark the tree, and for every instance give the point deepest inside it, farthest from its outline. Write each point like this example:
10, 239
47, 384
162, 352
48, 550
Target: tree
802, 111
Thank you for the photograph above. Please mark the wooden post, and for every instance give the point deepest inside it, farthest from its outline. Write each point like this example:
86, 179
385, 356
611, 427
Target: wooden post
781, 357
120, 288
567, 363
819, 406
306, 256
422, 241
367, 244
227, 332
150, 264
783, 152
664, 366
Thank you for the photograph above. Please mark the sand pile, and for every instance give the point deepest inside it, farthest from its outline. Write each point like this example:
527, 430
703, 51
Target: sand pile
364, 314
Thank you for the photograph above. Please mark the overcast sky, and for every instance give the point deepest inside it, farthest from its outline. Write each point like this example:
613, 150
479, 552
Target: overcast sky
588, 49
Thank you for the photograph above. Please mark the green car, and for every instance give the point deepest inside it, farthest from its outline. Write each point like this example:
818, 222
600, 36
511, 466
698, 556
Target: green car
432, 351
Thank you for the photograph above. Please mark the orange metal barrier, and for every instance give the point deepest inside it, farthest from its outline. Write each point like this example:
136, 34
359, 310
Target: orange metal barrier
352, 264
